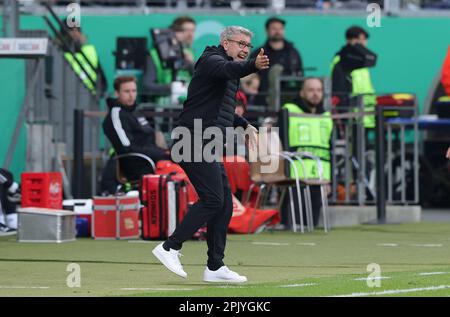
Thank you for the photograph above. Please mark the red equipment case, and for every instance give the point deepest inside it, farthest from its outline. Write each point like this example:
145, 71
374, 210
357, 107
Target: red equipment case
165, 200
116, 217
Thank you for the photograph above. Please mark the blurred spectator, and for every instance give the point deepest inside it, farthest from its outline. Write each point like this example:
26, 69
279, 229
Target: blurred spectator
157, 77
87, 56
448, 153
9, 197
241, 103
280, 51
351, 76
250, 87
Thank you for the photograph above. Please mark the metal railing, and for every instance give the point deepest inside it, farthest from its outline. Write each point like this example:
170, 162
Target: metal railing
354, 158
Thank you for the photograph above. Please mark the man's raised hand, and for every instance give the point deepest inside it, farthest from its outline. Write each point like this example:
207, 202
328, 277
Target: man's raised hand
262, 61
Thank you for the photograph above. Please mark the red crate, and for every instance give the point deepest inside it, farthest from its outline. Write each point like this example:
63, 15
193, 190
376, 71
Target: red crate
42, 190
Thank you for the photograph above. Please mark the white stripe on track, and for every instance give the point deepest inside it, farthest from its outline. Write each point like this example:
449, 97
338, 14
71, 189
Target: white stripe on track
432, 273
270, 243
396, 291
298, 285
387, 244
310, 244
372, 278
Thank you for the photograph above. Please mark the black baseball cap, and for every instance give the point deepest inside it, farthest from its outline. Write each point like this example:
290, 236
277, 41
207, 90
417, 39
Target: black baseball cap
273, 20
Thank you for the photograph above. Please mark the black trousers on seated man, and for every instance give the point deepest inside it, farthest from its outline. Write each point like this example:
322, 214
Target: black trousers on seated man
214, 207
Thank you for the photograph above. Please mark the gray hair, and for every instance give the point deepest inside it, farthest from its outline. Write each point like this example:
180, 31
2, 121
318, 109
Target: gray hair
229, 31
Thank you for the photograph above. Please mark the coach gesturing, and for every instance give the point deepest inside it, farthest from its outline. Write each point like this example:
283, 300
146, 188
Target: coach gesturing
211, 98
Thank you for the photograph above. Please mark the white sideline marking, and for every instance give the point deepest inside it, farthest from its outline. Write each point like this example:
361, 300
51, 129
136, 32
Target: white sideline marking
396, 291
270, 243
298, 285
432, 273
371, 278
427, 245
154, 289
387, 244
307, 243
24, 287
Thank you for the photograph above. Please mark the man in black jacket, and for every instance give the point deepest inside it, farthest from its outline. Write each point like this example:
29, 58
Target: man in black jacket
280, 51
129, 131
211, 98
9, 198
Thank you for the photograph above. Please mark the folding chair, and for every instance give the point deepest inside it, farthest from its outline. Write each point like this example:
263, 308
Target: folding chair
265, 180
120, 176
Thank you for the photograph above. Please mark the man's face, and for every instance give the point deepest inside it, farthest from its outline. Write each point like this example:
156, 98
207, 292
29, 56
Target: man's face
312, 91
189, 33
186, 34
275, 31
237, 46
77, 36
362, 39
251, 86
127, 94
239, 110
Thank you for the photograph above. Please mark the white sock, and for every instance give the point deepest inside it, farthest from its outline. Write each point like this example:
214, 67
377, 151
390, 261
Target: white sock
11, 221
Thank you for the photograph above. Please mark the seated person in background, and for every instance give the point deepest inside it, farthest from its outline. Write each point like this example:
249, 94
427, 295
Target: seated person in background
250, 87
241, 103
448, 153
9, 197
309, 134
80, 46
157, 77
129, 131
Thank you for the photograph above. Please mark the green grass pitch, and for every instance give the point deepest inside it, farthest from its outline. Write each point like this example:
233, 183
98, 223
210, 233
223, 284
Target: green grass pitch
414, 260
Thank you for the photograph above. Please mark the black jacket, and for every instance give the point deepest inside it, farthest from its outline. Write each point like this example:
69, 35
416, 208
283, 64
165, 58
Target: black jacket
129, 131
288, 57
352, 57
212, 90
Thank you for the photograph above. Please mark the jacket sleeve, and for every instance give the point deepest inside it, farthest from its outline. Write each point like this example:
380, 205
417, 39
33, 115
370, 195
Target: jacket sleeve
217, 66
340, 91
240, 121
298, 61
123, 140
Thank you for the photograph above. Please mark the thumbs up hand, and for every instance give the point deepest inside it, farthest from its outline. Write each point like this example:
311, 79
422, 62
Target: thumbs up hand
262, 61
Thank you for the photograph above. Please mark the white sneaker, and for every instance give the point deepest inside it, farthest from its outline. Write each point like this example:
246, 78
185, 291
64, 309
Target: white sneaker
170, 259
6, 231
223, 275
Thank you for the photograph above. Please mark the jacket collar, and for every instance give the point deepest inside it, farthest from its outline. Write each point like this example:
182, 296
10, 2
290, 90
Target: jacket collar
113, 102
